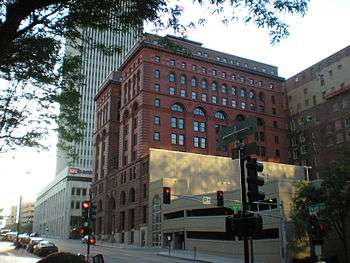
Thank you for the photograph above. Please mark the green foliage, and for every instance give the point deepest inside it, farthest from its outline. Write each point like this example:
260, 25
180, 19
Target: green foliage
334, 193
41, 75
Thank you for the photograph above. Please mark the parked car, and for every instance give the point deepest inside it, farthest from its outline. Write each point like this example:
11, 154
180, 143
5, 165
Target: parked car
33, 241
44, 248
86, 238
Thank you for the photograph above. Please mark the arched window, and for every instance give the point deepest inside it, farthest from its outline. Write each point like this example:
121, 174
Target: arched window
199, 111
132, 195
183, 79
260, 121
242, 92
112, 203
193, 82
261, 96
223, 88
214, 86
220, 115
157, 74
172, 77
240, 117
177, 107
122, 198
252, 94
204, 84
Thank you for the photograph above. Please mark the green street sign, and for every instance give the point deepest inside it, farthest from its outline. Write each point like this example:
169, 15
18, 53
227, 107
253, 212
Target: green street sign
236, 207
315, 208
238, 131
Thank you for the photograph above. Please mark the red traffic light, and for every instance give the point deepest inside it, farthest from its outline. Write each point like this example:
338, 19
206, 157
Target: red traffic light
82, 231
219, 198
92, 241
166, 195
85, 204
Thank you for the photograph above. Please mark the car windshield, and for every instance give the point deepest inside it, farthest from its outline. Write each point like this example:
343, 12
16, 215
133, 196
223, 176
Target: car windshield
46, 243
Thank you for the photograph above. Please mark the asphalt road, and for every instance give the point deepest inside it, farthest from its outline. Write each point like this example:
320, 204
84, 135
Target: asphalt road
117, 254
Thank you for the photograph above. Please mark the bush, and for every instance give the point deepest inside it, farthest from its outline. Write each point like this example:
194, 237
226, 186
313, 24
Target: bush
62, 257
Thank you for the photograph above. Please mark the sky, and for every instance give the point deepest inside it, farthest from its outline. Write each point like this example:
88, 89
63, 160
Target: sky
322, 32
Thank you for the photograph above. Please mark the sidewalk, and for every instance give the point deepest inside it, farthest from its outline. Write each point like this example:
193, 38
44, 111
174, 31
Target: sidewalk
200, 257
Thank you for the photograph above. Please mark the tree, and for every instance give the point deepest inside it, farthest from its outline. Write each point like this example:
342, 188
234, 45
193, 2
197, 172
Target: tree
41, 74
334, 193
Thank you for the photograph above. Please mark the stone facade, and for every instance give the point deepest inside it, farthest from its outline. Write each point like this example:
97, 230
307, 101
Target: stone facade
174, 94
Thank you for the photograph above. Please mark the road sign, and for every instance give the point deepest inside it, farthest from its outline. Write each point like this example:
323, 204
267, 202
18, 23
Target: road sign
314, 209
236, 207
238, 131
206, 200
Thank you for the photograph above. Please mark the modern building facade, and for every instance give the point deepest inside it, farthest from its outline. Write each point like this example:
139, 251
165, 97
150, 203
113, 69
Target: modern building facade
58, 207
319, 107
174, 94
96, 66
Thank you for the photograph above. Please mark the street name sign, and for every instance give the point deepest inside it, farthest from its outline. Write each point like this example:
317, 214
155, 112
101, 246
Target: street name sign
238, 131
236, 207
314, 209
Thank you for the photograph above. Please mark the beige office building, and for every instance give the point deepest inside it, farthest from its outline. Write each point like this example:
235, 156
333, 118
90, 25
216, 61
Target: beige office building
192, 224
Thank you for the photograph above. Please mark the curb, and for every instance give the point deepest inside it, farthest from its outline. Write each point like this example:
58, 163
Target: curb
187, 259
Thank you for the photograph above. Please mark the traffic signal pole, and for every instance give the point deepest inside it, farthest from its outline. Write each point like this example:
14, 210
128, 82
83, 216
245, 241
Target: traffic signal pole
241, 154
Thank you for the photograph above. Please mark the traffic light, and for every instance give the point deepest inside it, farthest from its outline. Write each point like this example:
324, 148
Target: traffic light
166, 195
92, 212
219, 198
253, 180
85, 205
84, 230
248, 224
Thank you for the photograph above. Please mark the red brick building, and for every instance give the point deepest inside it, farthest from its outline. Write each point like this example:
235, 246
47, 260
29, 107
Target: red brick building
175, 94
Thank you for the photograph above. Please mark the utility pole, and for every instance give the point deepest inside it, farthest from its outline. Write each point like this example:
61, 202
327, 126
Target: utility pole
241, 154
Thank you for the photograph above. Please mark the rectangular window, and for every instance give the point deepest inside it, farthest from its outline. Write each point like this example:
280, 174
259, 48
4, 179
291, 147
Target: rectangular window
171, 91
314, 100
181, 124
77, 205
277, 139
273, 99
173, 138
295, 154
204, 70
156, 136
234, 104
275, 124
72, 204
202, 127
181, 139
213, 72
173, 122
183, 93
156, 120
223, 75
194, 67
172, 62
213, 99
194, 95
196, 126
224, 101
204, 97
347, 122
196, 142
73, 191
156, 87
183, 65
78, 191
274, 111
157, 103
277, 153
84, 192
242, 105
157, 59
203, 143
